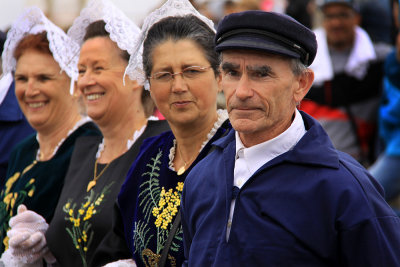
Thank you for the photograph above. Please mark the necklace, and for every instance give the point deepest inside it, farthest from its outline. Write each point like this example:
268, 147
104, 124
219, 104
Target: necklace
39, 154
183, 168
100, 149
92, 183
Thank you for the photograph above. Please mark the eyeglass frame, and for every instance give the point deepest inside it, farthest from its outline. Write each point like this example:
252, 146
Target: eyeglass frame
172, 74
339, 15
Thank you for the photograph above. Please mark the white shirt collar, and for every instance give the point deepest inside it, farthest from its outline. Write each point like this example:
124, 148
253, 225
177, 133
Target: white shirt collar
256, 156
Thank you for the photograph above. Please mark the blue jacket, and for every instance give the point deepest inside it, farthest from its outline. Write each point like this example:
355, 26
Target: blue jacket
389, 111
13, 129
311, 206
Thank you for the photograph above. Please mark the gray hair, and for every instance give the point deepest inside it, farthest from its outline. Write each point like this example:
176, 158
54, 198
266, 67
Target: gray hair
298, 68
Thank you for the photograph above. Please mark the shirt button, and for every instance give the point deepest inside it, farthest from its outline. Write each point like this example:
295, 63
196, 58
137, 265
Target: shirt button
229, 224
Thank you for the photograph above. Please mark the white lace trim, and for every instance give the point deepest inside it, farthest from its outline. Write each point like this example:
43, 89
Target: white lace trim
129, 142
222, 116
171, 8
32, 21
76, 126
123, 31
8, 260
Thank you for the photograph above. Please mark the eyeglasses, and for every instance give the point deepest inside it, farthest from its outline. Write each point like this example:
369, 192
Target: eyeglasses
188, 73
339, 16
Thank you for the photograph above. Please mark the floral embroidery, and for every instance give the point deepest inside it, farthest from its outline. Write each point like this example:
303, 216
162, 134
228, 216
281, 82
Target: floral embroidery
11, 200
80, 230
168, 205
163, 205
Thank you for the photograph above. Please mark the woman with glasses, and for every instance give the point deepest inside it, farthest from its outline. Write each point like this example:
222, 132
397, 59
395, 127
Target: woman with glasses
182, 70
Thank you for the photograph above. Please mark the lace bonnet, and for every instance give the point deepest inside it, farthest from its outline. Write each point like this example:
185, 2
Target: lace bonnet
123, 31
171, 8
33, 21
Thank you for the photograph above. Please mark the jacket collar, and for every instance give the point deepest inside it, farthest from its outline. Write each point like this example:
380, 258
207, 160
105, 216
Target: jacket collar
314, 148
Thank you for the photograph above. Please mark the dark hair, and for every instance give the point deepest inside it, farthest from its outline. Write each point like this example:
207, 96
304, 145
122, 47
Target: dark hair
3, 37
97, 29
178, 28
36, 42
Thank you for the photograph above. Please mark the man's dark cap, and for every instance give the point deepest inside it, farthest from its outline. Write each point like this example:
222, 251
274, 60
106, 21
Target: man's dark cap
266, 31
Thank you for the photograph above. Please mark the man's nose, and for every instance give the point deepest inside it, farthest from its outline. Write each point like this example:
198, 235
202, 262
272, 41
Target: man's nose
243, 88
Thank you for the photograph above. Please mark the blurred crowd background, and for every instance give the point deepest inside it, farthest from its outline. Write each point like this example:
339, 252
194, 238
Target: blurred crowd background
376, 14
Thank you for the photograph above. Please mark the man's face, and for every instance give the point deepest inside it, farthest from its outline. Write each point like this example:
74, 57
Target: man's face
261, 93
340, 22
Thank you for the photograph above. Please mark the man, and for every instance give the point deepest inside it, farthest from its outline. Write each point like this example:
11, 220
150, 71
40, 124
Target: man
275, 192
348, 77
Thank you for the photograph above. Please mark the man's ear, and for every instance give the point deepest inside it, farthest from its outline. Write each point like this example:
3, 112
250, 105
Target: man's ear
305, 81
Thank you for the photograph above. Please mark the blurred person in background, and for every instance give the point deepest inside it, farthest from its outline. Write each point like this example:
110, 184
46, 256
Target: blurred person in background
376, 20
348, 79
233, 6
13, 125
386, 169
38, 53
302, 11
122, 110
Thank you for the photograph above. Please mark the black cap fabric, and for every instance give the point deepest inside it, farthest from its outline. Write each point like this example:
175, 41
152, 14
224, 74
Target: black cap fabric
266, 31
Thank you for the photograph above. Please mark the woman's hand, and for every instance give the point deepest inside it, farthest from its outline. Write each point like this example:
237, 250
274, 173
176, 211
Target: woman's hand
27, 239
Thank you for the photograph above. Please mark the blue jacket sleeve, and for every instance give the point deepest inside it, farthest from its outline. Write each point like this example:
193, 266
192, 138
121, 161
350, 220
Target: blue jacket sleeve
374, 243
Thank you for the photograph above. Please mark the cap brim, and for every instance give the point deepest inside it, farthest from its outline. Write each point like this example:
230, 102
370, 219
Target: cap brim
254, 43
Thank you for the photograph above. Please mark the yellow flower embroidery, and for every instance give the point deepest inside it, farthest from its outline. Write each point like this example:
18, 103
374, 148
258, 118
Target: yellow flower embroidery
30, 193
80, 231
161, 205
179, 187
11, 181
167, 206
12, 199
5, 242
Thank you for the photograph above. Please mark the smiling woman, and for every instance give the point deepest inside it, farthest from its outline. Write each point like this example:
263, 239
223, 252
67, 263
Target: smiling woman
181, 67
37, 75
122, 111
39, 164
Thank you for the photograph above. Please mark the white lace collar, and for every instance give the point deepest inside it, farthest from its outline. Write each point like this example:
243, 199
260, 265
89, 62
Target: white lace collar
222, 116
76, 126
129, 142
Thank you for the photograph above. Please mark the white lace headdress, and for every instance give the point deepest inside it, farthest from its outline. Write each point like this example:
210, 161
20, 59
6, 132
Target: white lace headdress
171, 8
33, 21
123, 31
